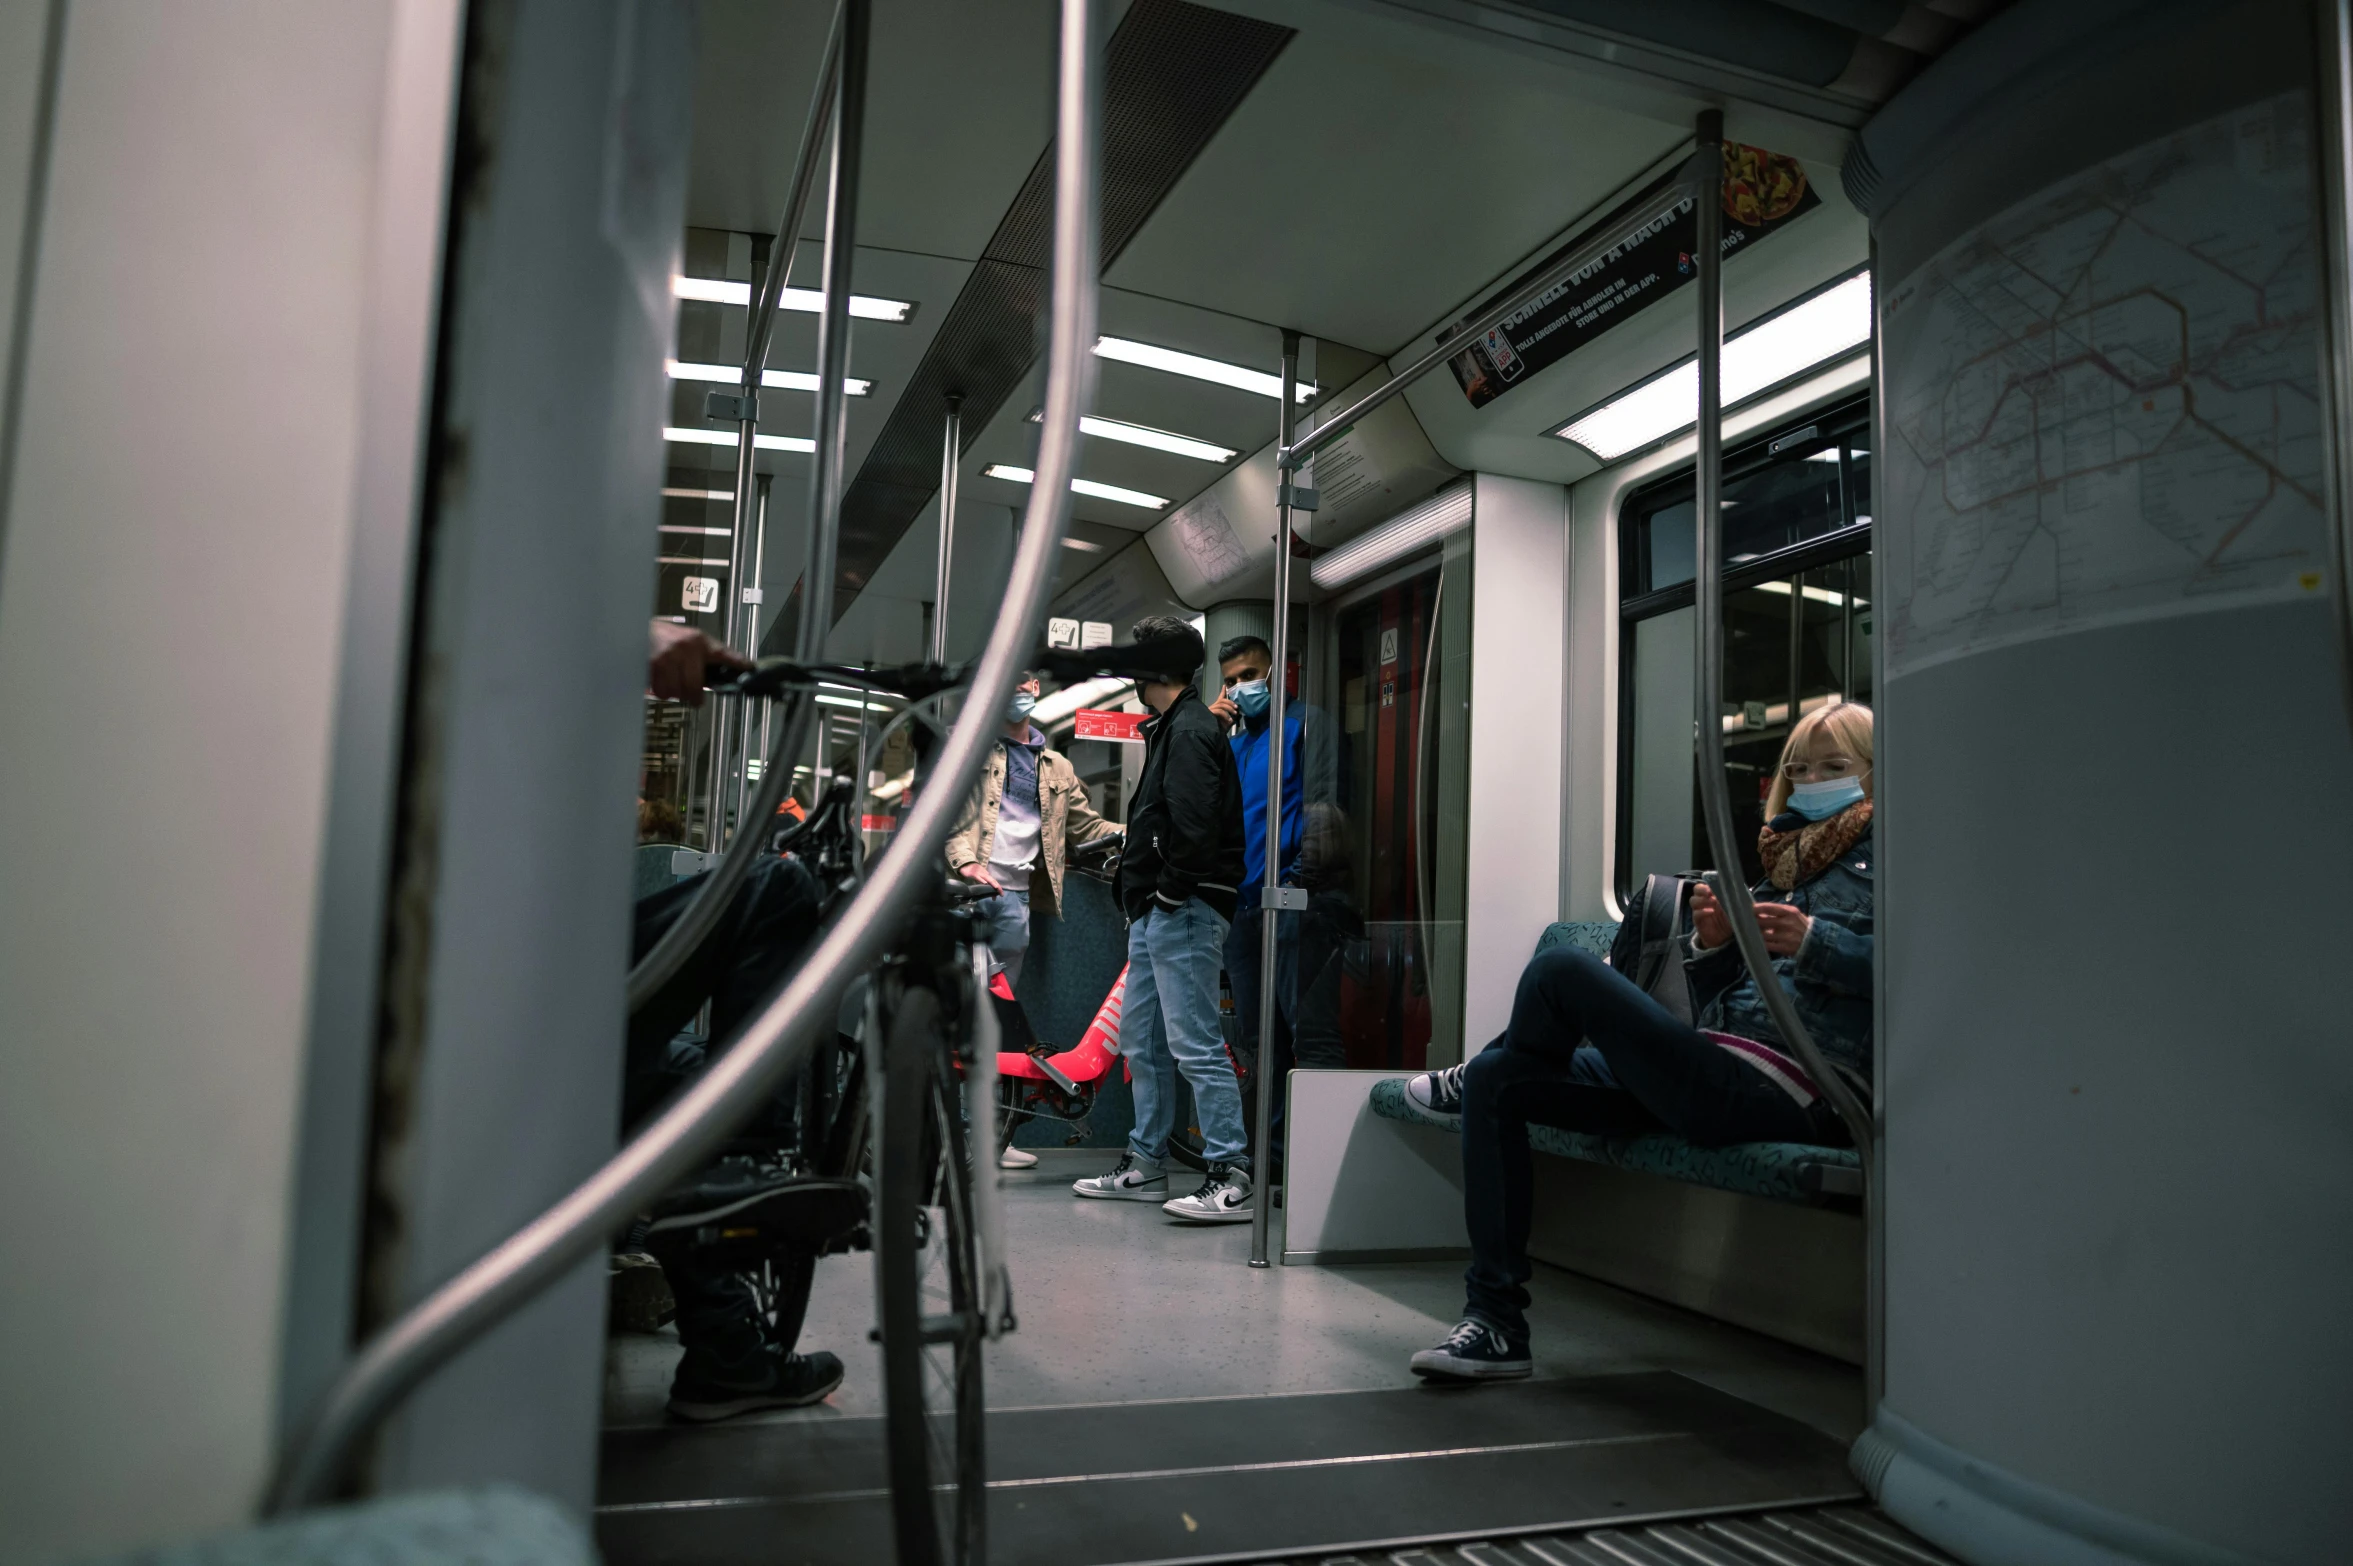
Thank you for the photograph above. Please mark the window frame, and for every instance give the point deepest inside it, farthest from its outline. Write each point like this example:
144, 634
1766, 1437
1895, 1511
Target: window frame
1848, 420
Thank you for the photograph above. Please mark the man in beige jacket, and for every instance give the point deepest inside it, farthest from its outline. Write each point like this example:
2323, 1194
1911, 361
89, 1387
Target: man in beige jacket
1029, 809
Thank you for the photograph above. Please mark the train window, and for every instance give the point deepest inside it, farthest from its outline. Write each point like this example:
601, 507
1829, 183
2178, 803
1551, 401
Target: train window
1797, 626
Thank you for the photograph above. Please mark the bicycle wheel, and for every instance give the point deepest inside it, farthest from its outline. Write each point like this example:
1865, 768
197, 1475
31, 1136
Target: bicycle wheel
927, 1276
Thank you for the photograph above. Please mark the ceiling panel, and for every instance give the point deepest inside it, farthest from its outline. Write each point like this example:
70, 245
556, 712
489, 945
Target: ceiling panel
959, 100
1365, 184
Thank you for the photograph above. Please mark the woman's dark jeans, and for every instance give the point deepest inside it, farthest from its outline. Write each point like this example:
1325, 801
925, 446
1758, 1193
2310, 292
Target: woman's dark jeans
1660, 1074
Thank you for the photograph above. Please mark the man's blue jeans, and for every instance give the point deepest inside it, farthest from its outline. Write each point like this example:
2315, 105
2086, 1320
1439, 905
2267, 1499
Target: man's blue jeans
1168, 1024
1639, 1070
1005, 926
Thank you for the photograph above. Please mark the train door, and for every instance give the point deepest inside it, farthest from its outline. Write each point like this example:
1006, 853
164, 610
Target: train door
1396, 653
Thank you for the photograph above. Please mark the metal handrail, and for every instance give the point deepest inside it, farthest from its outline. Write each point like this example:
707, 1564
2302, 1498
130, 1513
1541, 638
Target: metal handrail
1269, 913
702, 912
1715, 793
1289, 457
833, 332
774, 1043
2336, 125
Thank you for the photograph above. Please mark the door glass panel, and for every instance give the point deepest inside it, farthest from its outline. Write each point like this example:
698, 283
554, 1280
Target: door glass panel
1399, 664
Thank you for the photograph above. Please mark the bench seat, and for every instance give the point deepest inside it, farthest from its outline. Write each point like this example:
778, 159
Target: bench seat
1782, 1171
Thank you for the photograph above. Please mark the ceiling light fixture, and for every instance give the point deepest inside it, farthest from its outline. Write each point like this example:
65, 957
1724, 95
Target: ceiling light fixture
1826, 325
1083, 545
698, 494
714, 290
782, 380
1145, 435
800, 443
1441, 516
718, 532
1175, 363
1126, 497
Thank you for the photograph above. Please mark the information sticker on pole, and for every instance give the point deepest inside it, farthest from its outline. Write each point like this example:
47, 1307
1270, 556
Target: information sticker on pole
1098, 723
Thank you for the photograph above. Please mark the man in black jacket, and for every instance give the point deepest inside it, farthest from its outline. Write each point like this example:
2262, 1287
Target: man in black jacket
1178, 883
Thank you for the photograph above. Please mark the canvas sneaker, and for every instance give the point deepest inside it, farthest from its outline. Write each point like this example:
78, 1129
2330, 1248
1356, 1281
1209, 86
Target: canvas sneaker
1132, 1179
1475, 1351
774, 1380
1017, 1158
1224, 1197
1437, 1093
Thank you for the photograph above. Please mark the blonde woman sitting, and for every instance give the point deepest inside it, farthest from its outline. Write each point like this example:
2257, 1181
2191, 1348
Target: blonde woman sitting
1589, 1050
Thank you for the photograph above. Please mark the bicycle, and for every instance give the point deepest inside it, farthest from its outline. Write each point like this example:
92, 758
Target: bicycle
895, 1114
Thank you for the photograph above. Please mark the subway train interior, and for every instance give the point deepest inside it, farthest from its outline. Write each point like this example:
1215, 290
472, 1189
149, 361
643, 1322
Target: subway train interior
1455, 782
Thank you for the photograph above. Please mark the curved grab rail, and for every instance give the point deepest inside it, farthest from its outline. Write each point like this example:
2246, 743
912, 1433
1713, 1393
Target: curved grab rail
694, 922
1715, 794
774, 1043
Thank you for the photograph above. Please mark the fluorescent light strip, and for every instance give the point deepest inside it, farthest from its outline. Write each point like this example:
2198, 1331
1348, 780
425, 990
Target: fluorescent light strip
1828, 326
784, 380
1151, 357
1820, 595
698, 494
714, 290
1126, 497
1086, 546
1446, 513
800, 443
722, 532
1145, 435
686, 560
844, 701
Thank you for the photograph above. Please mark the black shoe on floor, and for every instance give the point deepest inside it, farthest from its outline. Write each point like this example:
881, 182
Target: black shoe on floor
781, 1381
1475, 1351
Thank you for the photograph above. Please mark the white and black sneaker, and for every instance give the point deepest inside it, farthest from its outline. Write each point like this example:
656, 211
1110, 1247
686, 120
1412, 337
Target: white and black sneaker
1224, 1197
1132, 1179
1437, 1094
1475, 1351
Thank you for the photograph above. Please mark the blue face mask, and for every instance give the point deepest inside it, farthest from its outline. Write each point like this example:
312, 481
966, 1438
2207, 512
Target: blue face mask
1821, 801
1252, 698
1019, 708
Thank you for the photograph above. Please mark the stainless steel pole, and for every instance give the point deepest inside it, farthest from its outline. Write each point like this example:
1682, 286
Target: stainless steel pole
1270, 911
833, 334
727, 718
950, 451
747, 744
1715, 792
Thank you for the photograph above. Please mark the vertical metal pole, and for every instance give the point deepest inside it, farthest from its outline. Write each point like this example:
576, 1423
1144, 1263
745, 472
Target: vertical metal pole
833, 335
1269, 927
746, 638
726, 719
950, 450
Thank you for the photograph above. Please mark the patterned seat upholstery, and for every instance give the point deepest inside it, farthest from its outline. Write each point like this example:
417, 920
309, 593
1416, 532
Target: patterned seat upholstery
1783, 1171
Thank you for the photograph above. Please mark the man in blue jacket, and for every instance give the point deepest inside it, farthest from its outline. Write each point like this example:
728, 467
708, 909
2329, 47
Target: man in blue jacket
1307, 1028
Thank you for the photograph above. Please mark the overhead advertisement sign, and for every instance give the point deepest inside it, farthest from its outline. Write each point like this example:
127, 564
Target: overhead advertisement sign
1763, 191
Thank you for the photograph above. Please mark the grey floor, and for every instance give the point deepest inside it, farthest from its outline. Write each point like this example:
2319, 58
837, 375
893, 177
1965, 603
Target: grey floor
1117, 1304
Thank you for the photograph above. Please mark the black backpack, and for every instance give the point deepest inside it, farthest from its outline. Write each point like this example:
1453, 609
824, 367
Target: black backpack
1666, 926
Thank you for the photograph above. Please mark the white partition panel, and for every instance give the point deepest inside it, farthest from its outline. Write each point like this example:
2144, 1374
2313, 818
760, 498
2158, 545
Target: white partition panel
1519, 670
1358, 1186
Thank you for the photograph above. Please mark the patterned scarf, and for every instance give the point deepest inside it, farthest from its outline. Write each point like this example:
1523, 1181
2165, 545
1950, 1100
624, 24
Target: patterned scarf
1801, 855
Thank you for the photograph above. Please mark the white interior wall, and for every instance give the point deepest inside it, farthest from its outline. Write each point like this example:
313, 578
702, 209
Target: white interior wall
1520, 617
171, 607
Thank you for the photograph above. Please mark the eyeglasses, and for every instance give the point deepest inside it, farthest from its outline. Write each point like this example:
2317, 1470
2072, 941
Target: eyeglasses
1821, 769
